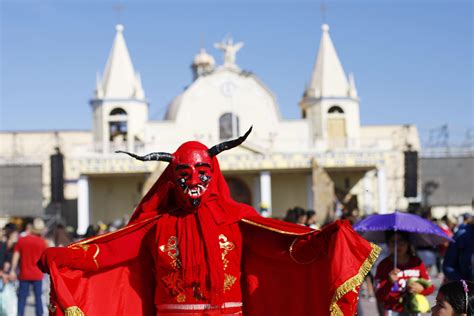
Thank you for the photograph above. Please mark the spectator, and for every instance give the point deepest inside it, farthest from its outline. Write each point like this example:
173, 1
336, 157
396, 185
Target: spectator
311, 220
61, 237
8, 297
91, 231
459, 259
296, 215
394, 283
427, 254
27, 252
464, 220
444, 224
455, 298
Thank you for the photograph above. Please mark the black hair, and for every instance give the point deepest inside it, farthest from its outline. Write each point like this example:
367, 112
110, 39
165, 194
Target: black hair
292, 215
403, 235
454, 294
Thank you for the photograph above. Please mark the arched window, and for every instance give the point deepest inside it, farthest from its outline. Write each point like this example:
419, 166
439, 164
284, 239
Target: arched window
118, 111
118, 125
228, 126
335, 109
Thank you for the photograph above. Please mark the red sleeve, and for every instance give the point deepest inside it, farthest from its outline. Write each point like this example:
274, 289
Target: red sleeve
424, 274
384, 286
123, 248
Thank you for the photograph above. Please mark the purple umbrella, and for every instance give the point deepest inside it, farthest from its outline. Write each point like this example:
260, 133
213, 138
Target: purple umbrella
423, 232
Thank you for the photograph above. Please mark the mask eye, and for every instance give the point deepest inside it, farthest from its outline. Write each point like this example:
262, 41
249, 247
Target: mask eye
204, 178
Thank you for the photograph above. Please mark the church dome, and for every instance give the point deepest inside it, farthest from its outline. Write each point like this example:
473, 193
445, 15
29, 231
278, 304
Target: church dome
203, 59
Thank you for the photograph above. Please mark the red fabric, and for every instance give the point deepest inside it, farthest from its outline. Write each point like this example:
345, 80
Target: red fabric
271, 282
442, 248
276, 285
30, 248
414, 268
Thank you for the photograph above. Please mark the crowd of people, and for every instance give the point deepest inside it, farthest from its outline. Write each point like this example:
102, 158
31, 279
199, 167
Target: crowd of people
402, 290
399, 290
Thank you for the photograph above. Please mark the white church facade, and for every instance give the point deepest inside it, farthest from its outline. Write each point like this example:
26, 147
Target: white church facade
321, 161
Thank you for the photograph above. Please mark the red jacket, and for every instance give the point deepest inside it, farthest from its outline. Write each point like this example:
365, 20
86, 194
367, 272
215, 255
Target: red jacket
414, 268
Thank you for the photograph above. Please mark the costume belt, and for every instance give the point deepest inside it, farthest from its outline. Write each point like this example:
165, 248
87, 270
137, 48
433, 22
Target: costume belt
197, 307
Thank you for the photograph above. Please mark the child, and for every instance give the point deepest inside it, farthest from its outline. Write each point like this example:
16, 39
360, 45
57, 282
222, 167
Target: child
409, 278
455, 298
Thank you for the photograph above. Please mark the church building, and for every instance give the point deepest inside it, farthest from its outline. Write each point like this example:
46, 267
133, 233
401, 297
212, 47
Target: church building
325, 160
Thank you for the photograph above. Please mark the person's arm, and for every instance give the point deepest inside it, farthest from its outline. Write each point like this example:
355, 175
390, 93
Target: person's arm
15, 260
424, 274
95, 256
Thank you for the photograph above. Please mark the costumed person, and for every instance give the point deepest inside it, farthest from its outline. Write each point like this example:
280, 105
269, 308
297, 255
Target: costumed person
455, 298
402, 290
190, 249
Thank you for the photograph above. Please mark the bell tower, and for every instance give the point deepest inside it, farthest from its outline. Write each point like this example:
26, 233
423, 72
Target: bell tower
330, 102
119, 107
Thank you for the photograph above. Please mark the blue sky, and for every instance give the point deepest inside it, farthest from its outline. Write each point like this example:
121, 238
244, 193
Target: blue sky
412, 60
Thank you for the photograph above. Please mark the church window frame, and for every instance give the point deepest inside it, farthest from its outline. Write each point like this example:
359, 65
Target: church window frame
229, 126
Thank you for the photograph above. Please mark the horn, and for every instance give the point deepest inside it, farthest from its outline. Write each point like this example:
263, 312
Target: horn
150, 157
215, 150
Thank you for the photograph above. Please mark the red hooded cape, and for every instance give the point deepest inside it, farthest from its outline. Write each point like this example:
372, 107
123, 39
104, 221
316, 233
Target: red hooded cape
286, 269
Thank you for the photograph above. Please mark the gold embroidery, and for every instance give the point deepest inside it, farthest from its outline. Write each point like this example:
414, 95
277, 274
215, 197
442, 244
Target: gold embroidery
86, 247
173, 252
229, 280
95, 256
228, 246
181, 298
81, 246
175, 285
73, 311
355, 281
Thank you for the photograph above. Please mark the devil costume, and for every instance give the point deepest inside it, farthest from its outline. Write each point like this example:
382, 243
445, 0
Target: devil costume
189, 249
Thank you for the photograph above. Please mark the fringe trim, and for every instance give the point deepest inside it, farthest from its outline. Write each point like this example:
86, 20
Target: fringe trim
355, 281
73, 311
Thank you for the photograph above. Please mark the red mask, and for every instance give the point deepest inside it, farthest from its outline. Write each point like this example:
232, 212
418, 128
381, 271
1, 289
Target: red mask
192, 168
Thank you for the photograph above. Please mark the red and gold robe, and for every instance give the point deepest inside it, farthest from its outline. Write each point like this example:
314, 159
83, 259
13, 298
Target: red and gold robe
223, 259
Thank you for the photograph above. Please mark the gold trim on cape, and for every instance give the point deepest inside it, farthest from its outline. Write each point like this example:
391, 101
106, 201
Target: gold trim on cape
275, 229
73, 311
355, 281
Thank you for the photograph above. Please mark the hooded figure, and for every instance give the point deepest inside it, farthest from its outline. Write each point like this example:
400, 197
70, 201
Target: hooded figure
190, 249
